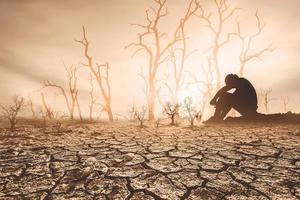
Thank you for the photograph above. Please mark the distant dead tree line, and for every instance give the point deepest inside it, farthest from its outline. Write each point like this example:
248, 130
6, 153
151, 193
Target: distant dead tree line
163, 49
266, 98
98, 73
69, 91
172, 111
70, 94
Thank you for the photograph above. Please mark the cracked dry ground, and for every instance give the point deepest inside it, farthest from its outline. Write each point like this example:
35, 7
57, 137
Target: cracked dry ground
121, 161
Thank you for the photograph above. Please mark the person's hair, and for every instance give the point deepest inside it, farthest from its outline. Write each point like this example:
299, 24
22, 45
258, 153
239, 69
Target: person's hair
230, 79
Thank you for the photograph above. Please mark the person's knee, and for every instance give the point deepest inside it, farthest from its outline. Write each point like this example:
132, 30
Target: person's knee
226, 98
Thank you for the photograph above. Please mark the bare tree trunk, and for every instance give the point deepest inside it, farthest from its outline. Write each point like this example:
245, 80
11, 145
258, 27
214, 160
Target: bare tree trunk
266, 98
207, 83
48, 111
242, 69
285, 102
32, 109
217, 67
102, 80
91, 113
193, 7
72, 114
156, 54
79, 109
224, 13
109, 111
12, 125
151, 100
72, 89
93, 99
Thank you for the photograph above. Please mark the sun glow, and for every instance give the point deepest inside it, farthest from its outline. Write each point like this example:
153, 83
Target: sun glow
190, 92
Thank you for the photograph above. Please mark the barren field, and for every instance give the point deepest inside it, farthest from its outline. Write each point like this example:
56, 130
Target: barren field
122, 161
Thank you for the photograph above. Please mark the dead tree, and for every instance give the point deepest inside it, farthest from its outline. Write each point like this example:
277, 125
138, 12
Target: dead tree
79, 109
73, 75
216, 26
33, 112
71, 99
247, 54
285, 103
205, 85
93, 99
48, 111
265, 94
191, 112
172, 111
44, 117
12, 111
132, 116
158, 122
97, 71
179, 53
140, 115
151, 41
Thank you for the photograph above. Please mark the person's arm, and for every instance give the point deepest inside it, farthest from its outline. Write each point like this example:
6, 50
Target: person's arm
222, 90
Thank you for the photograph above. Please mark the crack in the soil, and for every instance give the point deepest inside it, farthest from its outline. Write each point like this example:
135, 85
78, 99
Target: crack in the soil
126, 162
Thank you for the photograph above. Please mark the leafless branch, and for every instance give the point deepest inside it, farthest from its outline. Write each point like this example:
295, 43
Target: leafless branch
246, 55
95, 69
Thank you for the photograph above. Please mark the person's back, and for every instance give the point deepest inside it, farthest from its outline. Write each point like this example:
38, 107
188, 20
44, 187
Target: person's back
246, 93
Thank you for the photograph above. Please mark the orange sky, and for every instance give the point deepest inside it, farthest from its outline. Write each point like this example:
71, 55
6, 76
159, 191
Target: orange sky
37, 35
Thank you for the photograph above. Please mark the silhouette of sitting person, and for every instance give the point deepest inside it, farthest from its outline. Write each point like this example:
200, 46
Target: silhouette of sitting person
243, 99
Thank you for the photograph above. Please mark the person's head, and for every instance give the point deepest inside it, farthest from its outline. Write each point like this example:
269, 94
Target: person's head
231, 79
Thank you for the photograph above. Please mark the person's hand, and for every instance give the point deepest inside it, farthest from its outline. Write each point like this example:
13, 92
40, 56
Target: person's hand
213, 102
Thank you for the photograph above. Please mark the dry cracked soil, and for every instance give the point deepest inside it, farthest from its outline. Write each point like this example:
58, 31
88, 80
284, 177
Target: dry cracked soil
122, 161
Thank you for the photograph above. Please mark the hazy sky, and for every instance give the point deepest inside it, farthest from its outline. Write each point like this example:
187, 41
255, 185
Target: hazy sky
37, 35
